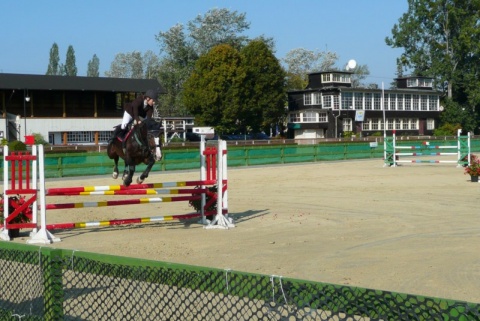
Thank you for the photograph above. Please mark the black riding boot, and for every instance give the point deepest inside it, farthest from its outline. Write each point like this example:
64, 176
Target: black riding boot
123, 134
115, 134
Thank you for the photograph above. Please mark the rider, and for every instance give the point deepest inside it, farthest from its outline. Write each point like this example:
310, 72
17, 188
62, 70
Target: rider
140, 108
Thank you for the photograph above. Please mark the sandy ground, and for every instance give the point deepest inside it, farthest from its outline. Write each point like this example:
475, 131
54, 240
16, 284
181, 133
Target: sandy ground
412, 229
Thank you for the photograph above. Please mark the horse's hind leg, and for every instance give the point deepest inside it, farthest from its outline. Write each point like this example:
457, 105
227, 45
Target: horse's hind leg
147, 170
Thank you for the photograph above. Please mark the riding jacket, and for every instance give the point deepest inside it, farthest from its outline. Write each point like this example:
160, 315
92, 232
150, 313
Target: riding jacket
138, 108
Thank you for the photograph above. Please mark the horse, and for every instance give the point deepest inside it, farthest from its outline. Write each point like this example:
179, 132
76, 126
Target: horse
142, 145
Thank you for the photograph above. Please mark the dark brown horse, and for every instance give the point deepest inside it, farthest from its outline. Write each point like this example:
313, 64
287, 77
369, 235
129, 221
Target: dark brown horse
142, 145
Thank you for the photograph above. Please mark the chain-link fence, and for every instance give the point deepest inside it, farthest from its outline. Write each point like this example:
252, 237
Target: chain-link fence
52, 284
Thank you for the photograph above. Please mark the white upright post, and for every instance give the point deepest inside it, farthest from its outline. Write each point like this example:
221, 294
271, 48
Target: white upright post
203, 177
35, 187
4, 232
42, 236
224, 174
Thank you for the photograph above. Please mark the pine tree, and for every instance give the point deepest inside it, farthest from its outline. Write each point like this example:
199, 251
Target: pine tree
70, 66
53, 65
93, 67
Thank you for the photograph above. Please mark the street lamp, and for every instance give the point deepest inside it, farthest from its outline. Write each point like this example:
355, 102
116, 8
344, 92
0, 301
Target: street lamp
25, 101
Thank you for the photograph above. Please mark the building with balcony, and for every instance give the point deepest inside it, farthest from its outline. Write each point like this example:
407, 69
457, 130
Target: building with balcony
330, 107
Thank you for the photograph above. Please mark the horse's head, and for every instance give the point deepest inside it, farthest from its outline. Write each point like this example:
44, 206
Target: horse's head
153, 138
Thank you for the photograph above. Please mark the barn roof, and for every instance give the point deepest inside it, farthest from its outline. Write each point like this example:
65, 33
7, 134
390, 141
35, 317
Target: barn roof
77, 83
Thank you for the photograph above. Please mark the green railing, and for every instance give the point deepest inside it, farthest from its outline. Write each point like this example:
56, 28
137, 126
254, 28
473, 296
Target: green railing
41, 283
98, 163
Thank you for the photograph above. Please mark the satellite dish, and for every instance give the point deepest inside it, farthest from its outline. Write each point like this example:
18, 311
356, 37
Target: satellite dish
351, 64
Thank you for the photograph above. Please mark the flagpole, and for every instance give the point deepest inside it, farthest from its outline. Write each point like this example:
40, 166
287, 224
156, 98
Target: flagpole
384, 124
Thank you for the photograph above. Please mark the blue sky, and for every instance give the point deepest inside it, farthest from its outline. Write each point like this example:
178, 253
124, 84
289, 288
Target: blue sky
354, 29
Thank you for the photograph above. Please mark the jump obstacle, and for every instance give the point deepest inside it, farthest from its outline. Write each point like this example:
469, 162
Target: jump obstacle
461, 150
23, 181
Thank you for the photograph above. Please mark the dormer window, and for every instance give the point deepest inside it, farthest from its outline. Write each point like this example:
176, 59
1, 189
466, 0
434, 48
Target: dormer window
336, 78
420, 82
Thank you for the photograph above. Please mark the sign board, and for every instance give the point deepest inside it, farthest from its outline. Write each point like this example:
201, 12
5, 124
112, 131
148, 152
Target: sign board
203, 130
359, 115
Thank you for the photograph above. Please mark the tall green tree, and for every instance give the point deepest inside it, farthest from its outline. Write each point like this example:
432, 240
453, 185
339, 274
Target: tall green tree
70, 62
213, 91
263, 97
300, 62
93, 67
126, 65
441, 39
54, 62
181, 46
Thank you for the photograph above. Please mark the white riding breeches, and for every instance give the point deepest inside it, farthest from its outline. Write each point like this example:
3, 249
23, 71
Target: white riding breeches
126, 119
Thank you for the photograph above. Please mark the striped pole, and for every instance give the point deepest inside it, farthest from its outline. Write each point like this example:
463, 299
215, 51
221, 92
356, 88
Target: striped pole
67, 226
136, 192
122, 202
64, 190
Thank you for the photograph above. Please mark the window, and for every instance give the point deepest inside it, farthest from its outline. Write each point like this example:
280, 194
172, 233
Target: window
405, 124
398, 123
327, 101
377, 98
347, 100
400, 102
307, 99
415, 101
432, 102
424, 102
79, 137
393, 101
317, 98
336, 102
322, 117
366, 125
368, 101
309, 117
358, 100
413, 123
295, 117
347, 124
375, 124
408, 102
430, 124
390, 124
326, 77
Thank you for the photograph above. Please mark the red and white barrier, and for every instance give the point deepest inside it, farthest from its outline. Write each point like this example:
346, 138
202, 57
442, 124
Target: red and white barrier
213, 165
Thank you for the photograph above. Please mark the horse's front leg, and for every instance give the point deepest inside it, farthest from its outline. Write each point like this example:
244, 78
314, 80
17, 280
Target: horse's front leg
115, 168
151, 162
130, 170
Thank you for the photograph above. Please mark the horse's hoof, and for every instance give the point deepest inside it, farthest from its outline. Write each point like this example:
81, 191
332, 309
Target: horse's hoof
139, 181
115, 175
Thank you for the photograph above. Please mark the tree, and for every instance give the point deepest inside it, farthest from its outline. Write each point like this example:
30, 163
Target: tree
300, 62
129, 65
53, 65
70, 65
93, 67
212, 92
182, 46
441, 39
264, 97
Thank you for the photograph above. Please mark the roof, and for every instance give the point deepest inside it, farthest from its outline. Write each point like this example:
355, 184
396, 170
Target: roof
74, 83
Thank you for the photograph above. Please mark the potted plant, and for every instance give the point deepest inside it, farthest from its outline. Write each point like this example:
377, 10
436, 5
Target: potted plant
473, 169
23, 217
196, 204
